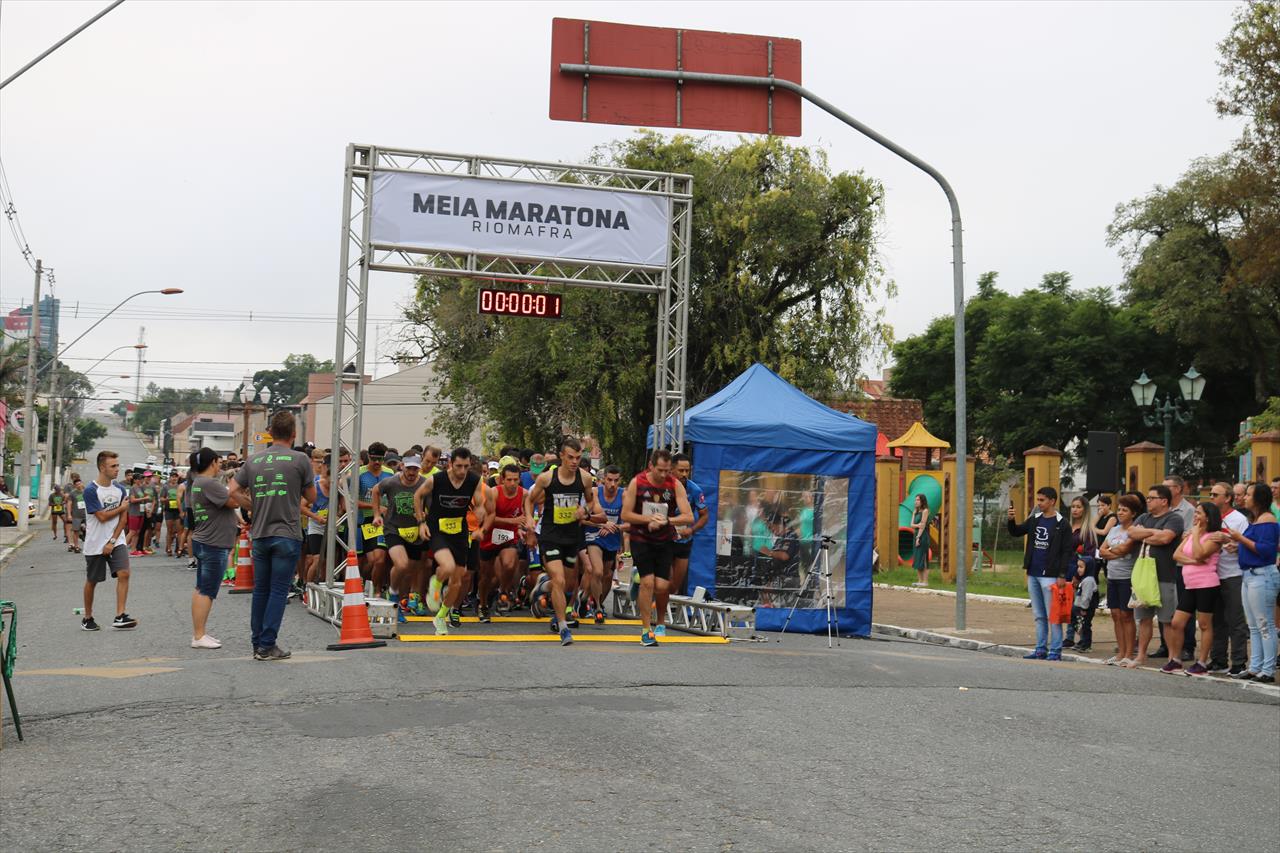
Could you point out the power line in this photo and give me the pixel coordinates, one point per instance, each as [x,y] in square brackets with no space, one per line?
[11,214]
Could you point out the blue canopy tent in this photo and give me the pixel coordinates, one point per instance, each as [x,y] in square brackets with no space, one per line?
[761,449]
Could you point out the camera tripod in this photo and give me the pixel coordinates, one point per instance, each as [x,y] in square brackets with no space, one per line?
[828,598]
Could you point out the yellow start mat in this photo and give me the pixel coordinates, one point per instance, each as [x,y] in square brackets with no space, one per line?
[527,620]
[691,639]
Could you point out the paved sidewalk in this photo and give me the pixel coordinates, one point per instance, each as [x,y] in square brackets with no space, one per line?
[1001,626]
[1006,623]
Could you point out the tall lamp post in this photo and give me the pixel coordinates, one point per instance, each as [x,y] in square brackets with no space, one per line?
[247,395]
[1190,385]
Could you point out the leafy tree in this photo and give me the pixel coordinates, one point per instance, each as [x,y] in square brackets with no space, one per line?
[160,403]
[783,271]
[1051,364]
[1265,421]
[88,431]
[1193,267]
[289,384]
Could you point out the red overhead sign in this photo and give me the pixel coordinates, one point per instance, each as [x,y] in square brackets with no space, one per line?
[664,103]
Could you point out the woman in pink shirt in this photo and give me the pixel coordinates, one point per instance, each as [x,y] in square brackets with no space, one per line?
[1198,555]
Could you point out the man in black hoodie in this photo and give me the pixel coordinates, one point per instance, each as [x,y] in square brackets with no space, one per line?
[1047,561]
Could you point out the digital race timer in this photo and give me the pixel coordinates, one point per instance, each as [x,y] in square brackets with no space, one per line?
[518,303]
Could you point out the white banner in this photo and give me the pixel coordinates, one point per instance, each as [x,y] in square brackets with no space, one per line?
[460,213]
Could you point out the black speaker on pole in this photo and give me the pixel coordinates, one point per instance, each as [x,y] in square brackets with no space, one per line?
[1103,471]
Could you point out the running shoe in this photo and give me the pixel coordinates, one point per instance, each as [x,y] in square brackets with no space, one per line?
[504,603]
[87,624]
[1244,675]
[483,614]
[555,625]
[402,607]
[441,621]
[566,639]
[647,639]
[124,620]
[570,618]
[206,642]
[1197,668]
[1111,661]
[599,616]
[660,631]
[136,554]
[416,606]
[272,654]
[433,594]
[1053,656]
[1264,679]
[1218,668]
[455,618]
[1036,655]
[1171,668]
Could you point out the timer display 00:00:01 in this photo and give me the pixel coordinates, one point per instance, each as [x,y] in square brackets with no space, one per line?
[516,303]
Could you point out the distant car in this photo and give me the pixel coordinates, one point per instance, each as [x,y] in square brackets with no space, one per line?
[9,510]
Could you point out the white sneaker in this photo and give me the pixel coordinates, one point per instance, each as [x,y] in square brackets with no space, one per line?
[206,642]
[1127,663]
[1111,661]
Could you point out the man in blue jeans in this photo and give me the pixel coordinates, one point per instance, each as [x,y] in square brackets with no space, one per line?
[272,484]
[1047,561]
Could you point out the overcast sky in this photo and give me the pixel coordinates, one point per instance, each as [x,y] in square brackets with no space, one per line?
[200,145]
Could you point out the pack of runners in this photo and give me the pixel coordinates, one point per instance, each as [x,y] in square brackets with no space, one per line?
[437,534]
[528,531]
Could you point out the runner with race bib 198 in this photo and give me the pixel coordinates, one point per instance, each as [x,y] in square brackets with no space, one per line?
[503,530]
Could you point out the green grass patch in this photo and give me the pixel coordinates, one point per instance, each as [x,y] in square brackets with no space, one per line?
[1006,579]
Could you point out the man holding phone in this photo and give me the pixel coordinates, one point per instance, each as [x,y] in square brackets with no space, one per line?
[1047,562]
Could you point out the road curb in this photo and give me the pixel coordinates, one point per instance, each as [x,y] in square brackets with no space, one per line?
[7,555]
[947,593]
[991,599]
[881,629]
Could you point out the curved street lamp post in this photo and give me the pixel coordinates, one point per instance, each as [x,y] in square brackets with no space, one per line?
[1190,385]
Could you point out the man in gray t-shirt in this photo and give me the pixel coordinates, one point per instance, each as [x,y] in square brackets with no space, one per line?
[272,484]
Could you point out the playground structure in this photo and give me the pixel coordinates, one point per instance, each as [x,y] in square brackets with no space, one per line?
[899,479]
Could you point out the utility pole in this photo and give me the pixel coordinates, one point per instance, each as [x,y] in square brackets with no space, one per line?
[29,411]
[55,443]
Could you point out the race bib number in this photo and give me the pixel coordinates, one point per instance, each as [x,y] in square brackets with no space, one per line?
[502,535]
[79,504]
[452,526]
[655,508]
[564,514]
[371,531]
[146,508]
[173,503]
[323,513]
[408,534]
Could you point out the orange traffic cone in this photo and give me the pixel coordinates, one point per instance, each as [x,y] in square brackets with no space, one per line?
[244,567]
[356,633]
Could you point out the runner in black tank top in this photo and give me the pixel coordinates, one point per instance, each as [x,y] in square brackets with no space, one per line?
[565,505]
[441,508]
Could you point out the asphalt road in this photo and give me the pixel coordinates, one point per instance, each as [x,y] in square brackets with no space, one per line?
[136,741]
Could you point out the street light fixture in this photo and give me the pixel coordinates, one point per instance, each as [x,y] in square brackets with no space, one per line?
[1190,385]
[247,395]
[113,352]
[166,291]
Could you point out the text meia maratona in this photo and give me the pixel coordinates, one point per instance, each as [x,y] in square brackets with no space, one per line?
[526,219]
